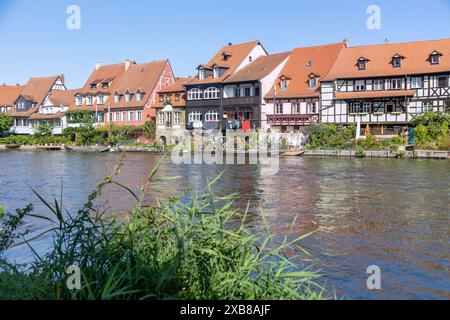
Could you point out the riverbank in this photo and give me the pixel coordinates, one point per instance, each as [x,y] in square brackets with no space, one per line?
[386,154]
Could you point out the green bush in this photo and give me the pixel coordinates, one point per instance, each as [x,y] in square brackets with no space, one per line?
[6,122]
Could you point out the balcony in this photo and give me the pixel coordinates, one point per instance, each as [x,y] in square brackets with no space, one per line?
[292,119]
[242,101]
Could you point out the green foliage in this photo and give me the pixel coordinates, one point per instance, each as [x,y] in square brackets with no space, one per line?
[6,122]
[174,250]
[44,130]
[150,129]
[330,136]
[432,131]
[80,117]
[400,153]
[359,153]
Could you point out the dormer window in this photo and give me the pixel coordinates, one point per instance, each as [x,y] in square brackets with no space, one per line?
[362,63]
[312,83]
[93,86]
[397,61]
[127,97]
[79,101]
[435,57]
[100,99]
[139,96]
[161,98]
[226,56]
[283,84]
[202,74]
[116,97]
[216,72]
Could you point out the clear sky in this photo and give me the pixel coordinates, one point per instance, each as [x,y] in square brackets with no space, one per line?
[34,39]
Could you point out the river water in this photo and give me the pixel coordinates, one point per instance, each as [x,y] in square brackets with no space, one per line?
[390,213]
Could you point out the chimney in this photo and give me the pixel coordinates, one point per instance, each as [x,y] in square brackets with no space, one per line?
[128,63]
[386,41]
[97,65]
[345,42]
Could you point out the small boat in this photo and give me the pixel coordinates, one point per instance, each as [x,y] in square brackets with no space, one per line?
[67,148]
[292,154]
[103,150]
[50,148]
[12,146]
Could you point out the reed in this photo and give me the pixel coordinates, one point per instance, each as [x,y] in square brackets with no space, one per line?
[200,249]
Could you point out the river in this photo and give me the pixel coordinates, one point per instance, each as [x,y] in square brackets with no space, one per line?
[390,213]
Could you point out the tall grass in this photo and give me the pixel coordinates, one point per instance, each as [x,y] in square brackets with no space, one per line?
[201,249]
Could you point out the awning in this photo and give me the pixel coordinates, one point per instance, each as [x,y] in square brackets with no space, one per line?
[374,94]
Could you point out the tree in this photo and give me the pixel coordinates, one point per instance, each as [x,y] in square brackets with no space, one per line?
[6,122]
[44,130]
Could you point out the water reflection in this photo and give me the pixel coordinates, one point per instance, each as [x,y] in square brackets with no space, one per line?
[391,213]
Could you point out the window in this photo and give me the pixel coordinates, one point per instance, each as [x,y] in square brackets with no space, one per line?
[100,99]
[90,101]
[312,82]
[435,57]
[442,82]
[212,116]
[396,84]
[279,108]
[247,92]
[296,108]
[161,118]
[195,116]
[105,85]
[139,115]
[362,64]
[131,116]
[117,116]
[257,91]
[397,62]
[110,117]
[176,118]
[169,119]
[202,74]
[250,59]
[237,92]
[416,82]
[378,84]
[195,94]
[177,97]
[216,72]
[116,97]
[78,101]
[367,106]
[124,116]
[356,107]
[360,85]
[161,98]
[139,96]
[283,84]
[93,86]
[127,97]
[311,107]
[211,93]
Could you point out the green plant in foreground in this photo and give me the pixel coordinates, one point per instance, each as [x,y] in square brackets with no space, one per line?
[359,153]
[201,249]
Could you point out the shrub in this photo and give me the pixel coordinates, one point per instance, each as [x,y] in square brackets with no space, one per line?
[421,134]
[6,122]
[359,153]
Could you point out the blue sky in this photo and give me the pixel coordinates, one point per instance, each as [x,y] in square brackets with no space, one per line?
[35,41]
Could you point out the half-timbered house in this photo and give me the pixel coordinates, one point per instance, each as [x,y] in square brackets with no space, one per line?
[293,102]
[387,85]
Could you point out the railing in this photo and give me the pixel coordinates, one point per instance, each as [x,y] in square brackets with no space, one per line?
[238,101]
[292,119]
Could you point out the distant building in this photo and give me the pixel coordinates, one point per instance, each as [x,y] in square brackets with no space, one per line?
[171,112]
[387,86]
[294,101]
[205,104]
[31,100]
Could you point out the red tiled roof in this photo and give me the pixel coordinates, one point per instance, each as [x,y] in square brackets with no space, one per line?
[63,97]
[236,54]
[9,94]
[416,60]
[39,116]
[259,69]
[302,63]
